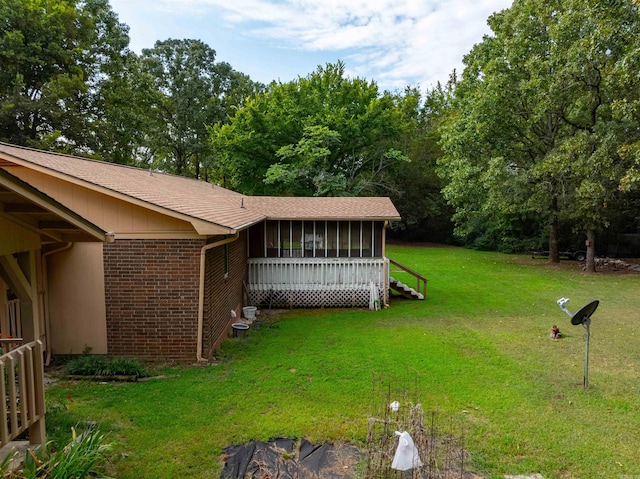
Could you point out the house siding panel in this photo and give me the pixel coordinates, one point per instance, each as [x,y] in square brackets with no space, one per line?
[151,292]
[223,294]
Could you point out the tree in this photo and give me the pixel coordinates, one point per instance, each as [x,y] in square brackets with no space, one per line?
[53,58]
[325,134]
[426,216]
[534,130]
[185,91]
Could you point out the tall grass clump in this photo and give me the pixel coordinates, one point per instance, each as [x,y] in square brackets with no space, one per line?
[79,459]
[94,365]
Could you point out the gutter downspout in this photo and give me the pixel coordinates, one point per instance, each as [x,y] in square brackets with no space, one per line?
[203,255]
[45,296]
[386,264]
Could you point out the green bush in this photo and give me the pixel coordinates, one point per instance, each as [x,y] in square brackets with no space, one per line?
[93,365]
[77,460]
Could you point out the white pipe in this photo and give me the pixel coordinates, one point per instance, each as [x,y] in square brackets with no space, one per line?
[45,284]
[203,257]
[385,268]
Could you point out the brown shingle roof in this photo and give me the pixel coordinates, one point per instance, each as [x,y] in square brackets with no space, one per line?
[344,208]
[193,198]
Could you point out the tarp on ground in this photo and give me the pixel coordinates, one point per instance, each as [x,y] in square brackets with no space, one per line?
[289,459]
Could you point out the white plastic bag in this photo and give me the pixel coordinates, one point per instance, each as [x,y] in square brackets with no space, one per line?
[394,406]
[406,456]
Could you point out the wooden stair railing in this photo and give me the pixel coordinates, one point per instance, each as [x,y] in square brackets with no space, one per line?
[22,405]
[421,281]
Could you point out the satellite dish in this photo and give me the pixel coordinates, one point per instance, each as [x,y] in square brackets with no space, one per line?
[583,316]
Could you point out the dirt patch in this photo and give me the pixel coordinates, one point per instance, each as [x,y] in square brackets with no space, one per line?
[605,266]
[617,265]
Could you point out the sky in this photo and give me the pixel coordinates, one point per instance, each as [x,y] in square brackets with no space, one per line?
[397,43]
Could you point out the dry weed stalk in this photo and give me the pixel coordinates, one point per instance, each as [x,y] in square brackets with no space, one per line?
[441,450]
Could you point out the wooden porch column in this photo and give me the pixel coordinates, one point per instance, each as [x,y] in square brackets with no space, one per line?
[25,286]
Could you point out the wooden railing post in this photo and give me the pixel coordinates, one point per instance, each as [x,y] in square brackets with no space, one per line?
[22,402]
[37,430]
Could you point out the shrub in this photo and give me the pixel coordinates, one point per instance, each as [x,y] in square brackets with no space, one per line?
[93,365]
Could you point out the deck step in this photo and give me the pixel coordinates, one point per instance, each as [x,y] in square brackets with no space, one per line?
[404,290]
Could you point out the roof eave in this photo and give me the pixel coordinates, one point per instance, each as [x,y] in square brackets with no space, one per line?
[201,226]
[47,203]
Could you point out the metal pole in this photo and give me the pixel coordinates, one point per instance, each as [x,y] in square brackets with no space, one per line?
[586,359]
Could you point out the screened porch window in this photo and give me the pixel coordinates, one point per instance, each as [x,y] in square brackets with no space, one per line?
[316,239]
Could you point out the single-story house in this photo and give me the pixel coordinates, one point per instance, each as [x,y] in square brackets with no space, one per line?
[132,262]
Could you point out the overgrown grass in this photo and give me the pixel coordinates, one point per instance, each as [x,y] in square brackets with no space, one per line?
[477,348]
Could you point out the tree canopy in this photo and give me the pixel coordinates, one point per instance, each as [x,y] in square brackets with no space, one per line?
[53,58]
[536,134]
[325,135]
[185,92]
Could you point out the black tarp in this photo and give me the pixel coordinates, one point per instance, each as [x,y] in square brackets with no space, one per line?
[289,459]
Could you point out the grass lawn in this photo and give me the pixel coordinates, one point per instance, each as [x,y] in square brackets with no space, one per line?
[477,349]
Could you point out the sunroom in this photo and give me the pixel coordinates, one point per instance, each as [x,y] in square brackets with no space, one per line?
[327,259]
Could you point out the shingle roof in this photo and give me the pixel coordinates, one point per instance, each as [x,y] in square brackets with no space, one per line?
[345,208]
[193,198]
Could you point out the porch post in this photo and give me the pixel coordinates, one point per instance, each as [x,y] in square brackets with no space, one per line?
[38,430]
[22,278]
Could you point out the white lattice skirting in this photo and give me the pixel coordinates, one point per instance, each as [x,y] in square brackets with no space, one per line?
[312,299]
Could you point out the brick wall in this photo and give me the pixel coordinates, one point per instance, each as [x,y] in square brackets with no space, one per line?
[222,294]
[151,292]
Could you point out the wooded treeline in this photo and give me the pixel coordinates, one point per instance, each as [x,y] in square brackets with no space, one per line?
[535,144]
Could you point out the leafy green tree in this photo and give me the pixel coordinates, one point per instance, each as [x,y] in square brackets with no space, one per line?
[184,92]
[53,58]
[535,137]
[426,216]
[325,134]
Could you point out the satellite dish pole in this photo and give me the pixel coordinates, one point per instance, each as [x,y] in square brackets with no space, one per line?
[583,317]
[586,324]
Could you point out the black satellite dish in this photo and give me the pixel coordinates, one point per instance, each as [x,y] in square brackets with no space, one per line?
[584,314]
[582,317]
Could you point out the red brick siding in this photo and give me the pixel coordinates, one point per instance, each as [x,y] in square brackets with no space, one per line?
[151,292]
[223,294]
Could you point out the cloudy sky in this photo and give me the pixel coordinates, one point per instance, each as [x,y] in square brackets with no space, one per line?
[394,42]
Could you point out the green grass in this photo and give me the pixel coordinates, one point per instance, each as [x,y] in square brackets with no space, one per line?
[477,348]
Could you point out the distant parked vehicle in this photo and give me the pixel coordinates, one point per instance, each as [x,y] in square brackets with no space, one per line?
[567,254]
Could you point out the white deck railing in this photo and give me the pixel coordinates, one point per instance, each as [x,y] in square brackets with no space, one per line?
[316,274]
[317,282]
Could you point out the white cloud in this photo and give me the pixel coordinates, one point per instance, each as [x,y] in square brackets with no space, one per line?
[395,42]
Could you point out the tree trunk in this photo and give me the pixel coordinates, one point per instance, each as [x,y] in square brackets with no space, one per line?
[591,251]
[554,251]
